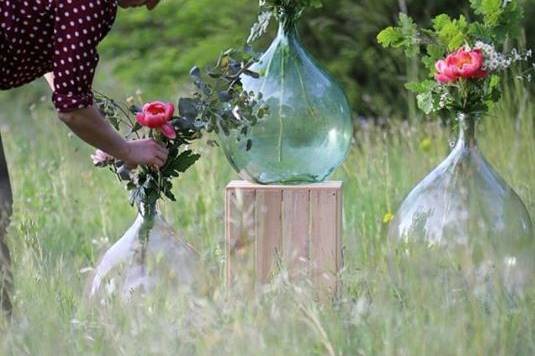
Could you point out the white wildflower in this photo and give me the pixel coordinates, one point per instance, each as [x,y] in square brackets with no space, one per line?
[515,55]
[494,60]
[443,100]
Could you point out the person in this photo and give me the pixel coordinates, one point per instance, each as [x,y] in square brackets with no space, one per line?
[57,39]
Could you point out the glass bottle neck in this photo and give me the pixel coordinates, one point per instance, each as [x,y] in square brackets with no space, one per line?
[148,211]
[467,129]
[287,28]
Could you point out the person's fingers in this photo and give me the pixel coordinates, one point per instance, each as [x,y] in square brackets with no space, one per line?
[131,166]
[161,149]
[158,162]
[162,156]
[158,148]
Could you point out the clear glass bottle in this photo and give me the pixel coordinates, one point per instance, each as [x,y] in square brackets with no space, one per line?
[149,255]
[464,224]
[308,131]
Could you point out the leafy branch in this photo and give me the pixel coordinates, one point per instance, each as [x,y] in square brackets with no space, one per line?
[496,21]
[287,11]
[219,103]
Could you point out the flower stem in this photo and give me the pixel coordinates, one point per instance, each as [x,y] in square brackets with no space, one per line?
[149,215]
[281,101]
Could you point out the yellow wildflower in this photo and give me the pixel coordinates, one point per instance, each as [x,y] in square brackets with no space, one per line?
[388,217]
[426,144]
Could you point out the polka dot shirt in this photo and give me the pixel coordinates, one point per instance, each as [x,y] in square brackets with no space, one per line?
[59,36]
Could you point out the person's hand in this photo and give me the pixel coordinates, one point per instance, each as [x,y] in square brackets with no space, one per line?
[145,152]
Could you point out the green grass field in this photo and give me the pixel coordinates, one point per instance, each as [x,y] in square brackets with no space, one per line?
[67,213]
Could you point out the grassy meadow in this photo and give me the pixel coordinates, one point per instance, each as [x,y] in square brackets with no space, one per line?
[67,213]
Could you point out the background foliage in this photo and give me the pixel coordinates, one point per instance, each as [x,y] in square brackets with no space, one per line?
[158,49]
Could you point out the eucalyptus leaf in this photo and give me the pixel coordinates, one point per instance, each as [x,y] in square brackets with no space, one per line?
[195,72]
[187,107]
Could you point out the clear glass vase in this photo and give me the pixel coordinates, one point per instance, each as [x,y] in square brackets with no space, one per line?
[464,224]
[308,131]
[149,255]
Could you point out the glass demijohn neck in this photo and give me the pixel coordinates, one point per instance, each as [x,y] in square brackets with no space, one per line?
[467,130]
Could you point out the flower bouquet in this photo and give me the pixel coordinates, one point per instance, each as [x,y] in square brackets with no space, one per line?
[151,253]
[463,210]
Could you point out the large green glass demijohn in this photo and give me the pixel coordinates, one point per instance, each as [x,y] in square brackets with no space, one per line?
[308,130]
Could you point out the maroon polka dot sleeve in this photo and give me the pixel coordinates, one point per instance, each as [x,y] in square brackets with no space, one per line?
[59,36]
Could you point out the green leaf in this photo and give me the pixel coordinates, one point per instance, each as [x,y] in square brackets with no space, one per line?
[184,161]
[500,18]
[410,33]
[434,53]
[170,195]
[187,107]
[494,81]
[451,33]
[489,9]
[390,37]
[421,87]
[494,88]
[426,102]
[195,72]
[136,128]
[405,36]
[441,21]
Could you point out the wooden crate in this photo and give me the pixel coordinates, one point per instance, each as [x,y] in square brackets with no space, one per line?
[295,227]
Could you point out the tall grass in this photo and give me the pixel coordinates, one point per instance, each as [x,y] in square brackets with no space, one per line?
[67,212]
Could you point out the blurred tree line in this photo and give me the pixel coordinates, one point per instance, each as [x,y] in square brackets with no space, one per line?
[155,50]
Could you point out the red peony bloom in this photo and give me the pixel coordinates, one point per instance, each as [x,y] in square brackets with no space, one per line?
[157,115]
[461,64]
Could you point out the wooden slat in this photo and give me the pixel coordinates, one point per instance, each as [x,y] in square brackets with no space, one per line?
[339,240]
[324,239]
[296,230]
[268,232]
[240,230]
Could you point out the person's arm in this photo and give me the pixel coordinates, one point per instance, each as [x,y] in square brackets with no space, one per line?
[77,31]
[90,126]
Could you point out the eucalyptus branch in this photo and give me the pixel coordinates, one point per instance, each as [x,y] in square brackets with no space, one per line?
[212,107]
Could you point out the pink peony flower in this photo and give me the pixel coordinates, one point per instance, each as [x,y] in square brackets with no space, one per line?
[101,158]
[461,64]
[157,115]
